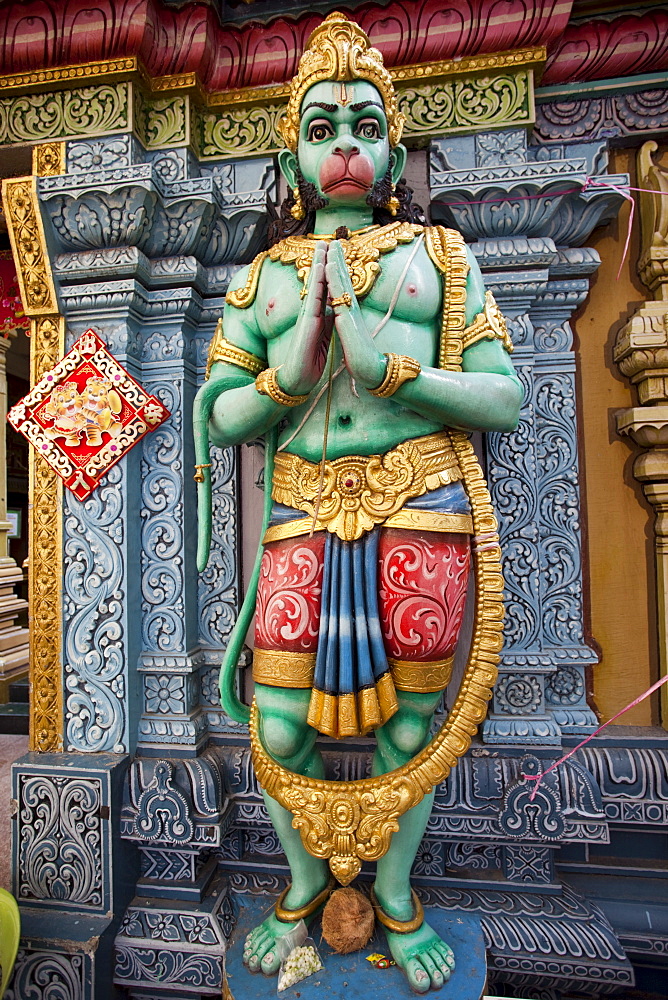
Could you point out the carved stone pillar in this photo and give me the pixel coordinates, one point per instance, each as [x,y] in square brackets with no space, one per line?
[142,245]
[641,353]
[526,214]
[13,639]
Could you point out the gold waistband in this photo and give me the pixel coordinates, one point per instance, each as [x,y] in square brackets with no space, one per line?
[360,491]
[409,518]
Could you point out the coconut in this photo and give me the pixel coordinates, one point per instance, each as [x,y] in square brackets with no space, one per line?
[347,921]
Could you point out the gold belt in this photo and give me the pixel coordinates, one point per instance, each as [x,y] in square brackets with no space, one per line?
[361,491]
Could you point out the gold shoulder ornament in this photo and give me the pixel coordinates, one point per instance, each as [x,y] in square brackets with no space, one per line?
[490,324]
[241,298]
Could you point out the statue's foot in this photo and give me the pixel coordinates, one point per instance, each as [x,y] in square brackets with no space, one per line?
[260,952]
[425,959]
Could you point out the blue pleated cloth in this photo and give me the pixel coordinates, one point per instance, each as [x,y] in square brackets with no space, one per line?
[353,691]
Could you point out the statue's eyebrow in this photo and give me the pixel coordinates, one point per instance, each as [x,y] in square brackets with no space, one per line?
[361,105]
[318,104]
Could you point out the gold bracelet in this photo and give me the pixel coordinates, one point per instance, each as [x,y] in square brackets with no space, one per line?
[400,369]
[343,300]
[302,912]
[399,926]
[267,385]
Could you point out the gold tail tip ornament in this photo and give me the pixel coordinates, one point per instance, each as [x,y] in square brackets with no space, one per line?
[339,50]
[199,475]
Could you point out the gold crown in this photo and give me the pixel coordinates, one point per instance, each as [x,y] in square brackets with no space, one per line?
[338,49]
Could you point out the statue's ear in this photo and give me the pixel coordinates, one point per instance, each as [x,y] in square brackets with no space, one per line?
[287,161]
[398,158]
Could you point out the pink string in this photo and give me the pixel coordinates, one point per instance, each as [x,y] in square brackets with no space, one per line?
[636,701]
[589,182]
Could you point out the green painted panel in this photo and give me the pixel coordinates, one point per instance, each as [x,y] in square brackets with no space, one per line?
[91,111]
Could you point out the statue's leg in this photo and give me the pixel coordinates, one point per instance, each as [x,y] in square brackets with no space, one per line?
[287,737]
[424,957]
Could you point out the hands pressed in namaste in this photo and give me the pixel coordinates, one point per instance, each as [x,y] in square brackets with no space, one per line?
[329,284]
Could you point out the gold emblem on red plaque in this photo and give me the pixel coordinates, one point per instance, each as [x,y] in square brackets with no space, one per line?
[85,414]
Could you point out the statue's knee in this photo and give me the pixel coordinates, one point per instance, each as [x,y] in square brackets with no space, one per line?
[282,738]
[407,733]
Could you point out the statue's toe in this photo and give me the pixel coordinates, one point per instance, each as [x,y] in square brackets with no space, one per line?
[447,958]
[417,976]
[431,961]
[270,963]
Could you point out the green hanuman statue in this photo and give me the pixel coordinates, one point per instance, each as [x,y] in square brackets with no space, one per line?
[363,347]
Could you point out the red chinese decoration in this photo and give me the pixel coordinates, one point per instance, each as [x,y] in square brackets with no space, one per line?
[12,316]
[85,414]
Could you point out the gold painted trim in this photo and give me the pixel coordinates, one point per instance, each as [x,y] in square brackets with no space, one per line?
[45,563]
[490,324]
[349,822]
[28,241]
[421,677]
[287,916]
[278,668]
[447,250]
[412,520]
[427,520]
[43,79]
[399,926]
[48,159]
[360,491]
[353,713]
[403,76]
[291,529]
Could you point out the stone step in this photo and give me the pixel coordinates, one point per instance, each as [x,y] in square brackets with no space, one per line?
[14,718]
[19,691]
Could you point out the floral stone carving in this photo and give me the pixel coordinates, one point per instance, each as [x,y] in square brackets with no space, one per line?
[85,414]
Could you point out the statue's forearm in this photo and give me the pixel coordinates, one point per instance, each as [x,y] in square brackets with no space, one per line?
[485,401]
[242,414]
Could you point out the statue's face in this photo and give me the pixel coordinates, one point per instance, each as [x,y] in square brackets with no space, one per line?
[343,145]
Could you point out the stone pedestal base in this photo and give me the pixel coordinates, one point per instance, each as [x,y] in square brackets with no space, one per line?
[346,976]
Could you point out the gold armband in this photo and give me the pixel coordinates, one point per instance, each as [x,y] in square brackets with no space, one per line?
[222,349]
[490,324]
[400,369]
[267,385]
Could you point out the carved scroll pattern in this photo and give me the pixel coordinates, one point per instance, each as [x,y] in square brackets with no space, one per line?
[60,840]
[94,597]
[94,110]
[559,510]
[219,584]
[163,610]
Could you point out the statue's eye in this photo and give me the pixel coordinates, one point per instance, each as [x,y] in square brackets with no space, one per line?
[319,130]
[368,128]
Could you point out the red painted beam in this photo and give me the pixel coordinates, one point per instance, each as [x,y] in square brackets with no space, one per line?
[36,34]
[624,46]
